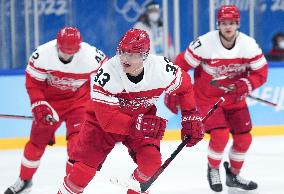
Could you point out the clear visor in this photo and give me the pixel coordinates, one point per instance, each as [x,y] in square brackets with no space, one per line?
[131,56]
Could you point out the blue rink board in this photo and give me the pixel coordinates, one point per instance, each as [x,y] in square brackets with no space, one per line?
[14,100]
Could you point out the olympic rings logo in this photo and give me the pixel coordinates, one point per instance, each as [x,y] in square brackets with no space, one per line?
[130,10]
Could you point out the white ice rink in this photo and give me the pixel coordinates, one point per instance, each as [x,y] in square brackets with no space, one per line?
[185,175]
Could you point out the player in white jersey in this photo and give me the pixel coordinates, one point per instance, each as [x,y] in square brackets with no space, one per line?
[57,81]
[122,109]
[226,63]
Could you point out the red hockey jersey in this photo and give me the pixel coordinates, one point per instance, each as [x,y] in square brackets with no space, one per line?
[115,99]
[212,61]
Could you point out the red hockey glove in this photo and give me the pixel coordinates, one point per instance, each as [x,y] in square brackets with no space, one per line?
[44,113]
[172,102]
[240,89]
[192,127]
[148,126]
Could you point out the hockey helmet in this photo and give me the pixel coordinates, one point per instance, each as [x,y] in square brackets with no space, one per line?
[135,41]
[69,40]
[228,12]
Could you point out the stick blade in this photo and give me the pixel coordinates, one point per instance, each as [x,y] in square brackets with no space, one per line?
[129,183]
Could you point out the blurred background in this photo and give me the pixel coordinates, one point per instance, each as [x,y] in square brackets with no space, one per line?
[26,24]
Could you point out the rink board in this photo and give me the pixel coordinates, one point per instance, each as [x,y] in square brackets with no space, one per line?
[267,120]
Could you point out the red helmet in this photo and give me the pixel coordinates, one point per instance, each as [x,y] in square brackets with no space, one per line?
[228,12]
[135,41]
[68,40]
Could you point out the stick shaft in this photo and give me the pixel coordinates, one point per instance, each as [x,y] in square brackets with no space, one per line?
[16,117]
[262,100]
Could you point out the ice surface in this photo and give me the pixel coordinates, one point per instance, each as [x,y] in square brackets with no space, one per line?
[186,174]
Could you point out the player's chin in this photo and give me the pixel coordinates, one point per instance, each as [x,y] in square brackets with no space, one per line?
[229,36]
[127,68]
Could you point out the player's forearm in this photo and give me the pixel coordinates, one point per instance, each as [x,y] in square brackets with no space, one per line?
[185,93]
[181,62]
[35,89]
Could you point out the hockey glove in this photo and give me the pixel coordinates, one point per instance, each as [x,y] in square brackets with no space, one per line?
[44,113]
[148,126]
[239,90]
[192,127]
[172,102]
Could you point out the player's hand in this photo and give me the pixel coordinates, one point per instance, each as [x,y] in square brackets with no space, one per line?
[148,126]
[172,102]
[44,113]
[192,127]
[239,90]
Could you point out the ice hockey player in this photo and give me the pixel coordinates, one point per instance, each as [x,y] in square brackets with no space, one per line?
[122,109]
[58,84]
[226,63]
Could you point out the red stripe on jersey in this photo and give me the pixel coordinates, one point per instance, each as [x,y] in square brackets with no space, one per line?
[101,91]
[218,61]
[256,58]
[105,102]
[196,57]
[102,62]
[37,68]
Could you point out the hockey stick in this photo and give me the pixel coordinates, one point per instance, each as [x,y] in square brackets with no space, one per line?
[48,117]
[16,117]
[216,84]
[145,186]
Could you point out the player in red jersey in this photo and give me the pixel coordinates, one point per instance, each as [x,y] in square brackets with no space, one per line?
[226,63]
[122,109]
[57,81]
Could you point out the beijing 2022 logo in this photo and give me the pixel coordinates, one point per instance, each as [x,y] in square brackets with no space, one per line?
[130,9]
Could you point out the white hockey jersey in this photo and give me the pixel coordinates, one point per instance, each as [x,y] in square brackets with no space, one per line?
[48,78]
[212,61]
[116,98]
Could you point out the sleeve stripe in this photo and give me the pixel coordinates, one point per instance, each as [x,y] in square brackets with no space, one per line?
[105,102]
[176,83]
[102,97]
[258,63]
[103,92]
[191,58]
[35,73]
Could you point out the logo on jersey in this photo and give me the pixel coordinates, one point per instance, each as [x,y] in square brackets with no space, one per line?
[137,103]
[65,83]
[228,71]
